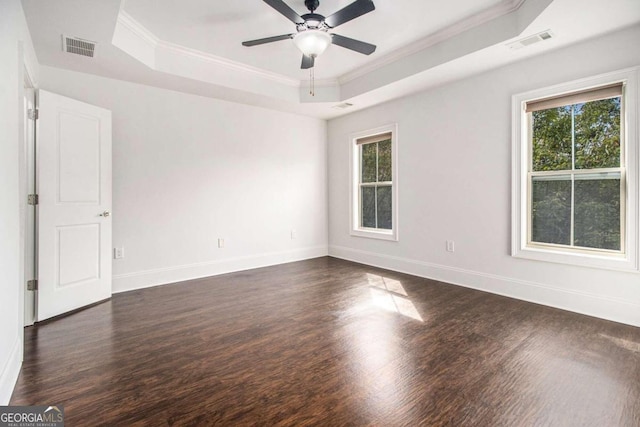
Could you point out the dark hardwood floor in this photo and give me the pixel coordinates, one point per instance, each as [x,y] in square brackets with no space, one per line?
[332,343]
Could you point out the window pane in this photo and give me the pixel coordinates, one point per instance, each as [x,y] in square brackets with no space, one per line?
[368,207]
[552,139]
[384,207]
[384,161]
[551,210]
[597,211]
[597,134]
[369,163]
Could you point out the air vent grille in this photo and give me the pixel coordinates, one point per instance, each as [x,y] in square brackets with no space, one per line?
[528,41]
[343,106]
[78,46]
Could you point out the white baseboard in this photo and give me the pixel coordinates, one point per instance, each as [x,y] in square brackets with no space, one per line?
[614,309]
[162,276]
[10,373]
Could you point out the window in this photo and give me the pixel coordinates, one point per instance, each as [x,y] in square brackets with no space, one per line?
[576,176]
[575,173]
[374,186]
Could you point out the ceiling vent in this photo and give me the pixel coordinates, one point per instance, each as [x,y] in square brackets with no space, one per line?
[343,106]
[528,41]
[78,46]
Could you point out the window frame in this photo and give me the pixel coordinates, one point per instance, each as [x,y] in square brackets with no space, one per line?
[521,246]
[355,212]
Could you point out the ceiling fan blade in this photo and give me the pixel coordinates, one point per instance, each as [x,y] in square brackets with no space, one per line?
[289,13]
[307,62]
[267,40]
[346,14]
[357,45]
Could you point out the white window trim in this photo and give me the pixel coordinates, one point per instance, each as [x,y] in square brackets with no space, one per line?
[519,200]
[354,169]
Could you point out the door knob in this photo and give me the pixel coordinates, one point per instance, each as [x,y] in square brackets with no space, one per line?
[105,214]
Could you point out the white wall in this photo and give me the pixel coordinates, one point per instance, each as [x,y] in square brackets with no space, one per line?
[16,52]
[188,170]
[455,184]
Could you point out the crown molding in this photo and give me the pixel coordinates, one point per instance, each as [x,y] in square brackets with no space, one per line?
[227,63]
[138,29]
[170,54]
[331,82]
[152,41]
[503,8]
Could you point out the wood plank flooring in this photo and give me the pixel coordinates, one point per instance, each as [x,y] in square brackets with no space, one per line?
[332,343]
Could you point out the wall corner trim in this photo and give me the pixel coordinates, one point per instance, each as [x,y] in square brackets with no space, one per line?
[614,309]
[163,276]
[10,372]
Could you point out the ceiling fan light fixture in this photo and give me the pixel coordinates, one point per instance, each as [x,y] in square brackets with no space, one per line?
[312,37]
[312,42]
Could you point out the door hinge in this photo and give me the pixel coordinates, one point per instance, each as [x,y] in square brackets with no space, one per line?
[34,114]
[32,199]
[32,285]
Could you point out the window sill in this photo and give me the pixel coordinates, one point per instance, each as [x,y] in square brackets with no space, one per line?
[613,261]
[375,234]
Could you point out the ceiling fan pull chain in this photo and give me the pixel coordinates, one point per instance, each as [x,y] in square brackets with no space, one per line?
[312,88]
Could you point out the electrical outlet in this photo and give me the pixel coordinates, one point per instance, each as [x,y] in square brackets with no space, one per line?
[450,246]
[220,243]
[294,234]
[118,253]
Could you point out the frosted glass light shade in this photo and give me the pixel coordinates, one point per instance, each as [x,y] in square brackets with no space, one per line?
[312,42]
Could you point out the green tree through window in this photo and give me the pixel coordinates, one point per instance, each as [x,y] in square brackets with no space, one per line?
[376,184]
[575,175]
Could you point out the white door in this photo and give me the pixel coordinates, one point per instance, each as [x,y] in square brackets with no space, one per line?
[74,191]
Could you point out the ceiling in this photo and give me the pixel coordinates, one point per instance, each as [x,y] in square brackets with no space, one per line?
[194,46]
[219,27]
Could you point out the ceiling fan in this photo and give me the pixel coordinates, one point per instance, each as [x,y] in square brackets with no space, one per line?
[313,36]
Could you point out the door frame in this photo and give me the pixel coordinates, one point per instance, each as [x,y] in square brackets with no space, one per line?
[27,171]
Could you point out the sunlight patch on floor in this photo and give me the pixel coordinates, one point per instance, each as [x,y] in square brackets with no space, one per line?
[390,295]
